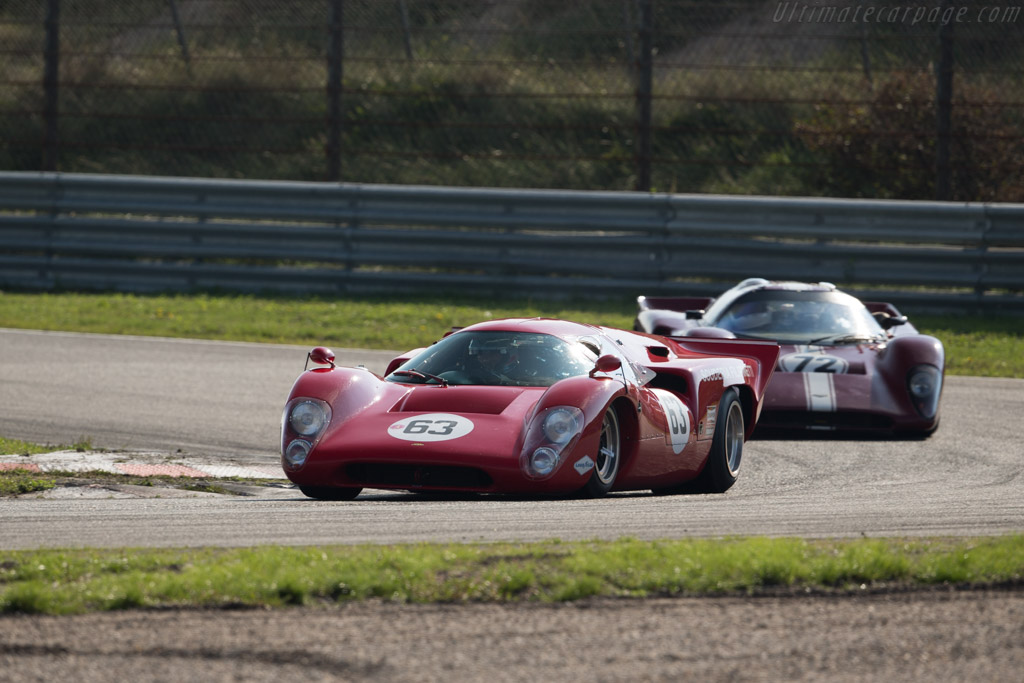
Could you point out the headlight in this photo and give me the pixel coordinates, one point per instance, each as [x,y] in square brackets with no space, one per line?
[543,461]
[296,452]
[561,424]
[308,417]
[924,382]
[547,438]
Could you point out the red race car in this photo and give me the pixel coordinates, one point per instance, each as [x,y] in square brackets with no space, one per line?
[529,406]
[845,365]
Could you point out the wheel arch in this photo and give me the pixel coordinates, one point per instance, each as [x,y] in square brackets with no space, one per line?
[747,403]
[629,429]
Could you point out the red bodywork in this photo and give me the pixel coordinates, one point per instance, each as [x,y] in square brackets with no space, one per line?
[848,387]
[474,436]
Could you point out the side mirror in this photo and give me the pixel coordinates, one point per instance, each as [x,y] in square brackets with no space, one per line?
[321,355]
[606,363]
[695,314]
[889,321]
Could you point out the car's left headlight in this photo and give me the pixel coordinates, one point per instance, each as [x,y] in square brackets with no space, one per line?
[302,425]
[924,382]
[561,424]
[550,434]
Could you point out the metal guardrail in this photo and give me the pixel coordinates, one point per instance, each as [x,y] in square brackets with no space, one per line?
[136,233]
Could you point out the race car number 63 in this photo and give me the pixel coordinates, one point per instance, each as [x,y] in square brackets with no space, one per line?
[431,427]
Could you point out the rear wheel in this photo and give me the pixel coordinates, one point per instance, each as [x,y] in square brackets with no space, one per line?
[723,465]
[609,455]
[330,492]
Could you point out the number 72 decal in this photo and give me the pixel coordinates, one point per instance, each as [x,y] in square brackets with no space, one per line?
[813,362]
[431,427]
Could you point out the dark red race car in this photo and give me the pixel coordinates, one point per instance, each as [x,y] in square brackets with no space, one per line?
[845,365]
[529,406]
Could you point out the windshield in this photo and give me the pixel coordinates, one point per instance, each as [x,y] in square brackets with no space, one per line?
[497,359]
[796,317]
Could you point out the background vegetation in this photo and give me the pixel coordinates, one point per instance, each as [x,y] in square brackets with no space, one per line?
[516,93]
[975,345]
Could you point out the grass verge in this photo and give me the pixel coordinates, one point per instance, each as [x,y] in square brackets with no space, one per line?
[981,346]
[18,447]
[18,481]
[79,581]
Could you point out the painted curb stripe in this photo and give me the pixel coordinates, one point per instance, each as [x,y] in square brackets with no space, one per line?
[191,470]
[7,466]
[156,470]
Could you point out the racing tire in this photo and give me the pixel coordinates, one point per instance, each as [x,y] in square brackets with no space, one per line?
[723,465]
[330,492]
[609,457]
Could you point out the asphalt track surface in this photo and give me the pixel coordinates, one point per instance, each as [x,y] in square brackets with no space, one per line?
[222,402]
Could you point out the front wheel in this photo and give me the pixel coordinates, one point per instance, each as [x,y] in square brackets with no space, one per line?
[609,455]
[330,492]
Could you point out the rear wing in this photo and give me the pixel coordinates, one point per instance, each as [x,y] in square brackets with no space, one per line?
[766,353]
[673,303]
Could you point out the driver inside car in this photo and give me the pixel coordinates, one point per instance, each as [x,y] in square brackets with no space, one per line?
[495,360]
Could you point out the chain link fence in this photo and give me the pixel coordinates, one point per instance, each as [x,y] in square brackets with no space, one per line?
[845,98]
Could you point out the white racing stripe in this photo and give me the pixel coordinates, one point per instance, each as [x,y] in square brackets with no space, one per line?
[819,387]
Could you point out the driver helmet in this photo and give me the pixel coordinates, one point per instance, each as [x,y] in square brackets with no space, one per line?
[750,315]
[495,355]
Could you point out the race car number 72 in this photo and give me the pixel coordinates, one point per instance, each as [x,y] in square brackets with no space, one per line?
[811,362]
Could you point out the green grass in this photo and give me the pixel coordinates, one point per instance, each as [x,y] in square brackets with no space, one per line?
[78,581]
[18,447]
[985,346]
[18,481]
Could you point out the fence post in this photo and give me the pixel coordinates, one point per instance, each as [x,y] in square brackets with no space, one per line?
[643,98]
[335,56]
[51,86]
[179,29]
[943,110]
[403,11]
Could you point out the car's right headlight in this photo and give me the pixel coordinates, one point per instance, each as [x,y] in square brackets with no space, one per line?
[302,425]
[308,417]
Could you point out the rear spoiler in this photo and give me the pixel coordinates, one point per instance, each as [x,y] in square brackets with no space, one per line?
[673,303]
[766,353]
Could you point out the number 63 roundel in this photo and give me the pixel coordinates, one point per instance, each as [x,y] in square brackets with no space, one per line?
[431,427]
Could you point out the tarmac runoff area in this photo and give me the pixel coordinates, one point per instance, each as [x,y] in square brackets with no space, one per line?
[137,464]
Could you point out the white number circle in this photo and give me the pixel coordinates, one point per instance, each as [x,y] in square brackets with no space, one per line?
[813,362]
[431,427]
[678,417]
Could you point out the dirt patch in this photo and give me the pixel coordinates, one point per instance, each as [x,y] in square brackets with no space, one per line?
[918,636]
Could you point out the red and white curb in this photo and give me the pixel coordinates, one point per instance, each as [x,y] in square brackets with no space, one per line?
[141,465]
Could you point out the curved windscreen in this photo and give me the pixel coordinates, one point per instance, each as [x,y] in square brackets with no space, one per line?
[798,317]
[497,359]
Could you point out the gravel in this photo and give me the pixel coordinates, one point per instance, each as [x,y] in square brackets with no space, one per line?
[931,635]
